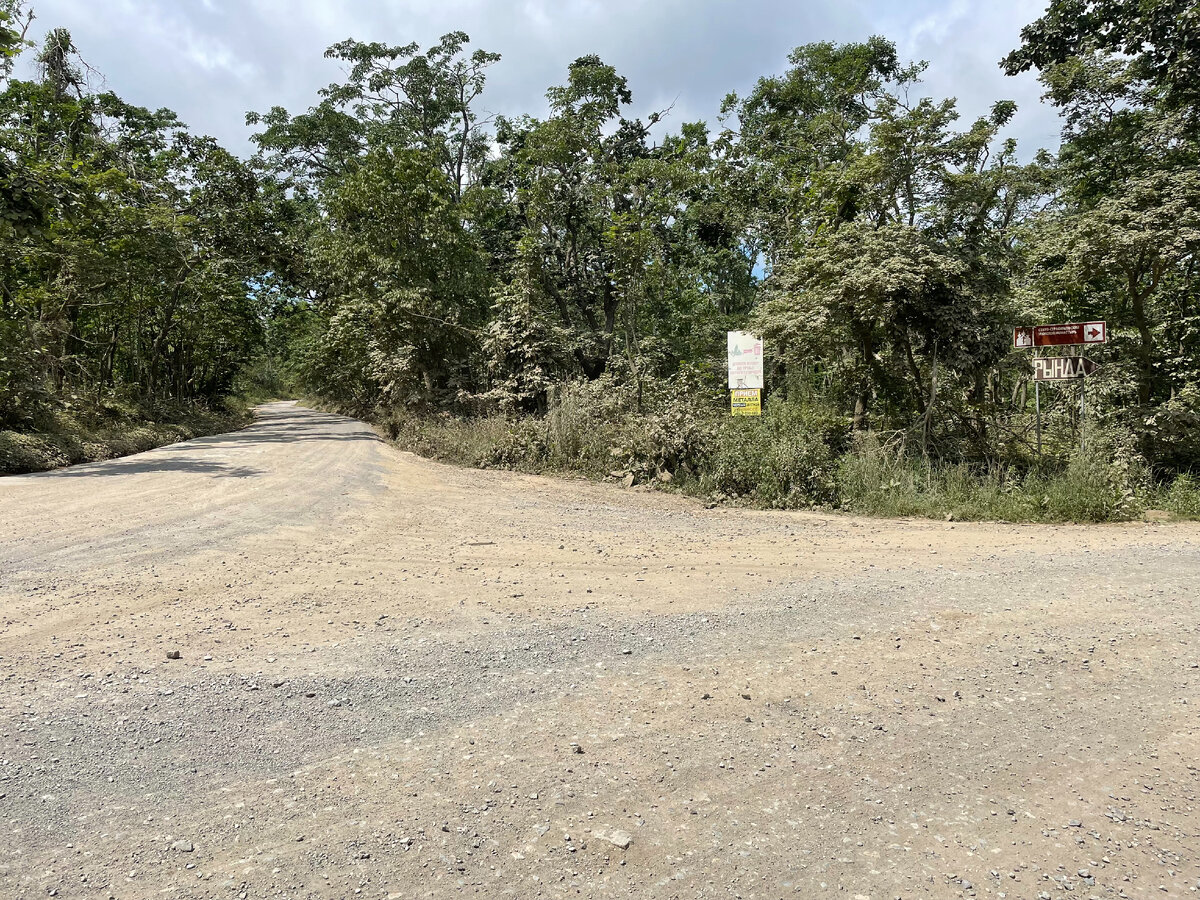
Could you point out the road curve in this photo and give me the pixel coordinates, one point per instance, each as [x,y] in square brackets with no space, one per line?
[398,678]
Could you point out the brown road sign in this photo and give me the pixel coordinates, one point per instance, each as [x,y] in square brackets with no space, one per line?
[1062,368]
[1025,336]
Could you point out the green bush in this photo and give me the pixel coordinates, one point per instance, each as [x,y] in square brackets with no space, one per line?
[482,442]
[1090,489]
[1105,483]
[786,458]
[674,431]
[877,480]
[109,430]
[796,455]
[1171,432]
[1183,496]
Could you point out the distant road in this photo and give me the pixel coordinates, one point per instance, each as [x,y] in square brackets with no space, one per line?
[398,678]
[294,466]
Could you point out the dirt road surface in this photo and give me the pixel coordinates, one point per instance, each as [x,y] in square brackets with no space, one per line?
[399,679]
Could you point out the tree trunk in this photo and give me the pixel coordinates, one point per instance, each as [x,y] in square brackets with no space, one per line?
[1145,352]
[918,382]
[928,418]
[861,403]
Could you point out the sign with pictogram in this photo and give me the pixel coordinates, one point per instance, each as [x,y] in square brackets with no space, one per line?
[1025,336]
[1062,368]
[745,361]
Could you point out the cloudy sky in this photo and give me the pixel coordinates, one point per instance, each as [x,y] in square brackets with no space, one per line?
[212,60]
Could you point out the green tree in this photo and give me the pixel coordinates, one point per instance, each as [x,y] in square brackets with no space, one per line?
[890,260]
[569,179]
[1121,241]
[1158,40]
[782,140]
[624,253]
[375,188]
[127,248]
[14,25]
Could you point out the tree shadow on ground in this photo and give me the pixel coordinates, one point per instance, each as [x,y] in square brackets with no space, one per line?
[283,427]
[132,466]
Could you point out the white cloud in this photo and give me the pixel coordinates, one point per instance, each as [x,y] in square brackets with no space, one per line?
[212,60]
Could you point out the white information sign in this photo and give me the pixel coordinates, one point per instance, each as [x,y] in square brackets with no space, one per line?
[745,361]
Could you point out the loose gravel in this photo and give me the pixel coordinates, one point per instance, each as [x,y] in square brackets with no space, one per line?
[291,662]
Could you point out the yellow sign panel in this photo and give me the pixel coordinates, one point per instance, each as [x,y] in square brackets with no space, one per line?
[745,402]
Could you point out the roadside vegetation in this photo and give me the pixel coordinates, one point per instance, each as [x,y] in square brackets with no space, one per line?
[68,436]
[128,247]
[552,293]
[794,457]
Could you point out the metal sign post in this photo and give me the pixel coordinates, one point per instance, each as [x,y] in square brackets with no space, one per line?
[1037,406]
[1060,368]
[1082,409]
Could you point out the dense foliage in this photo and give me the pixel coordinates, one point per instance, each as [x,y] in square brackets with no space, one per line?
[395,252]
[127,245]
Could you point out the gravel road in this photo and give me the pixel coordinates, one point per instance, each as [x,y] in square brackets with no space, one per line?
[399,679]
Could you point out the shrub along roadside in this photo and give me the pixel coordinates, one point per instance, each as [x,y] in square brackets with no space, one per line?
[795,456]
[1087,489]
[67,437]
[1181,497]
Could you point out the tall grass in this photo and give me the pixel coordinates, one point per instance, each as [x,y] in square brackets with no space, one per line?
[875,481]
[577,436]
[795,456]
[786,458]
[1182,497]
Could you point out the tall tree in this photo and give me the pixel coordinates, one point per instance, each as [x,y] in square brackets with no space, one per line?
[127,249]
[1122,242]
[376,183]
[624,253]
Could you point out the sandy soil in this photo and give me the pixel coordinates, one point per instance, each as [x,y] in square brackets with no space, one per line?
[400,679]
